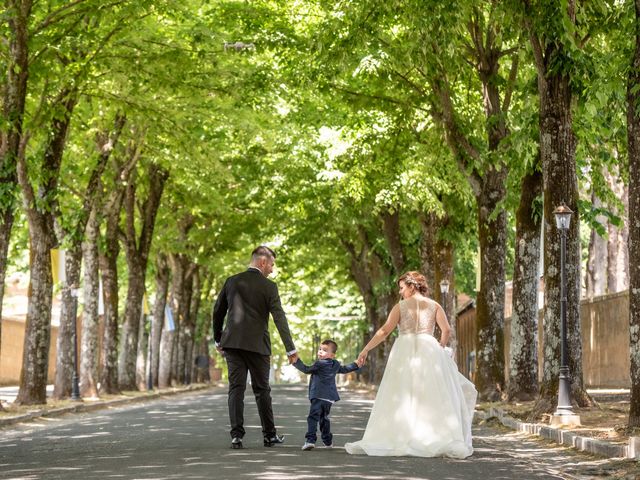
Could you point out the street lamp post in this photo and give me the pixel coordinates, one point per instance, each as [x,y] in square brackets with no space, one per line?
[75,387]
[564,413]
[444,289]
[150,355]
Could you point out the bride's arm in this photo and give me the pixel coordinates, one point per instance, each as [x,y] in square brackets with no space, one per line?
[443,323]
[382,333]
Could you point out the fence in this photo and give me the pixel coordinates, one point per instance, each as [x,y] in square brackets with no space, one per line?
[605,341]
[11,348]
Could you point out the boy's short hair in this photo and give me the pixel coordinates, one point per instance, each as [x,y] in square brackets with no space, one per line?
[333,345]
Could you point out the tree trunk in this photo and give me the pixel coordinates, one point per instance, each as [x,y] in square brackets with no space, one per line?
[617,273]
[35,360]
[109,266]
[6,225]
[185,327]
[109,271]
[67,334]
[162,288]
[391,229]
[492,230]
[137,249]
[623,263]
[595,277]
[130,326]
[633,139]
[181,284]
[51,169]
[193,319]
[558,149]
[90,326]
[40,215]
[170,373]
[427,247]
[73,237]
[166,356]
[13,105]
[142,351]
[444,271]
[186,330]
[488,183]
[523,351]
[369,272]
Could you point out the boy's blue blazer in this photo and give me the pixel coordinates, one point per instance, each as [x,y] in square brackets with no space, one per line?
[323,377]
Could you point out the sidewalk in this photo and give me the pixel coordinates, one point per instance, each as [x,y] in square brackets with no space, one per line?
[13,414]
[602,431]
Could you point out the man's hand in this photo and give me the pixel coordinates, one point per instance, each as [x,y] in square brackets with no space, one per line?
[293,358]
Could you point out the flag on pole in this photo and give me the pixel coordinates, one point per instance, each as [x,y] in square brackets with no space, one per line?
[478,270]
[57,265]
[100,298]
[145,305]
[170,326]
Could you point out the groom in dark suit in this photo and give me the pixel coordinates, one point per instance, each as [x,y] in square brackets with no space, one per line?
[247,299]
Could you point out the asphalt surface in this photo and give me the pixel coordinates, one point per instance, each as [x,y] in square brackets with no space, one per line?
[186,437]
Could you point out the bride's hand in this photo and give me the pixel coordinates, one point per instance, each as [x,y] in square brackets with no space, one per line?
[362,358]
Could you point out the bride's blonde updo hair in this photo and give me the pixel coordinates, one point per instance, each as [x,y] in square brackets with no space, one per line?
[415,280]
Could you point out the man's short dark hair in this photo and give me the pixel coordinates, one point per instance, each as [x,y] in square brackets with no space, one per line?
[263,251]
[332,345]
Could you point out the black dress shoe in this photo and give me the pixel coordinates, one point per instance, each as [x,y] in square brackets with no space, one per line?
[236,442]
[275,440]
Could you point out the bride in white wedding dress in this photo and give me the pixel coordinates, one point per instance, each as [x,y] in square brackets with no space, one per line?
[424,406]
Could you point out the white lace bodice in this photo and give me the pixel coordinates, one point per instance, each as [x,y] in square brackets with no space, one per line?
[417,316]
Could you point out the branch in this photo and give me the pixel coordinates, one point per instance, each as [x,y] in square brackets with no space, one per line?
[413,85]
[536,45]
[56,15]
[508,51]
[375,97]
[584,40]
[130,215]
[457,141]
[52,16]
[28,194]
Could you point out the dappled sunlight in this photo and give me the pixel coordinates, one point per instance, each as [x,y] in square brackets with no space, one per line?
[189,439]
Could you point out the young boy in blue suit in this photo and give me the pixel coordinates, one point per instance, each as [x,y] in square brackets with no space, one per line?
[323,392]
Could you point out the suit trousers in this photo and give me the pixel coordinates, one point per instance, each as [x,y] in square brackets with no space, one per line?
[239,363]
[319,413]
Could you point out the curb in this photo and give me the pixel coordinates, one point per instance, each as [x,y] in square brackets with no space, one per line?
[564,437]
[99,405]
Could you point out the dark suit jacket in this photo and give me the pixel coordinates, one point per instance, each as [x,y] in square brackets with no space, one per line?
[246,299]
[323,377]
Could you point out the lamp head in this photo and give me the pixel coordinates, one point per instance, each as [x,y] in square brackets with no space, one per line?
[444,286]
[563,217]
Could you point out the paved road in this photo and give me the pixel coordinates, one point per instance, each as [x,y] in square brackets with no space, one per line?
[186,437]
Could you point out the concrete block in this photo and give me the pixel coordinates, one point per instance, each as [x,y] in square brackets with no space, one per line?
[568,420]
[634,447]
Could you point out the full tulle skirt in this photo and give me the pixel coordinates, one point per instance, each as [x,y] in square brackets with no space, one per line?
[424,406]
